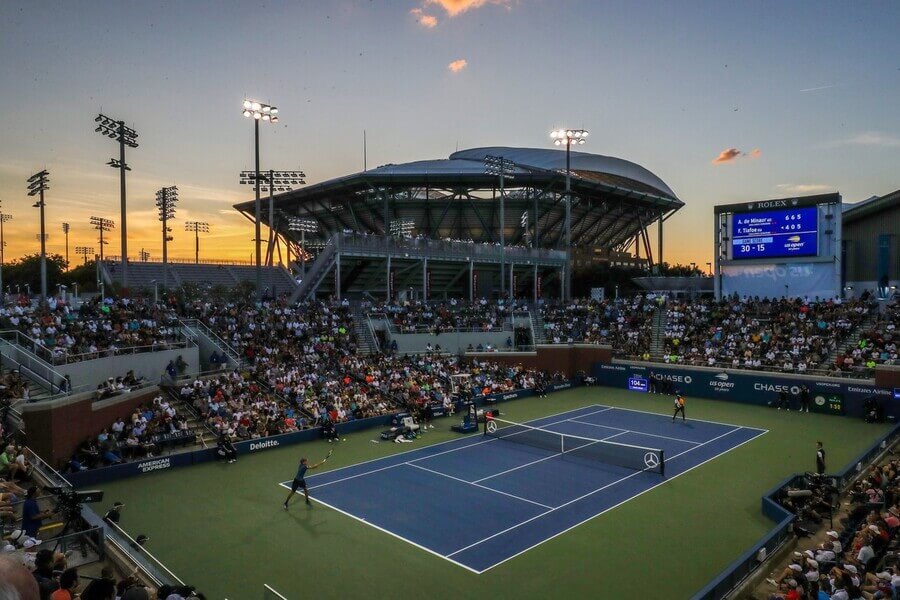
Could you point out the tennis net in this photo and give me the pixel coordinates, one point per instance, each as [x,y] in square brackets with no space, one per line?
[629,456]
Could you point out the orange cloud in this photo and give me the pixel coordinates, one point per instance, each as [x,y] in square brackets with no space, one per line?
[733,154]
[427,21]
[456,7]
[458,65]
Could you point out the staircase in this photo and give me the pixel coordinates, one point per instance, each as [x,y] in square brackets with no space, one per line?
[540,334]
[194,328]
[852,340]
[364,334]
[206,437]
[658,338]
[315,273]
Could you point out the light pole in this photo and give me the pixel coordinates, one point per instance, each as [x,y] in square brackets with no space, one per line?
[145,256]
[709,268]
[37,185]
[304,226]
[568,137]
[273,181]
[116,130]
[84,251]
[166,199]
[268,113]
[502,169]
[197,227]
[65,228]
[102,224]
[4,217]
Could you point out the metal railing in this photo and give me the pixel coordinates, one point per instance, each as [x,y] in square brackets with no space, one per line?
[150,567]
[223,345]
[441,249]
[115,260]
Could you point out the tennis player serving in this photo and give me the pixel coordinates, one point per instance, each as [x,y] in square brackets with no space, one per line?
[300,478]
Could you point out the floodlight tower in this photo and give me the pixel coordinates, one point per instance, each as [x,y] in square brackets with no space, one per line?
[116,130]
[196,227]
[84,251]
[273,181]
[502,169]
[102,224]
[37,185]
[304,226]
[166,199]
[65,228]
[269,114]
[568,137]
[4,217]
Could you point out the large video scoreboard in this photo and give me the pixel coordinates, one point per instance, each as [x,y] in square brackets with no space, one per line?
[779,247]
[775,233]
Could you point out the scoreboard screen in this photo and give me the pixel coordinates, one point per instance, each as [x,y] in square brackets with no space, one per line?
[775,233]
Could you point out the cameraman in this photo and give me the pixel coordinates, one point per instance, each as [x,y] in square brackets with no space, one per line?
[32,515]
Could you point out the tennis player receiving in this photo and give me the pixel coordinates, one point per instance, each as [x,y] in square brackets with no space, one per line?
[679,406]
[300,478]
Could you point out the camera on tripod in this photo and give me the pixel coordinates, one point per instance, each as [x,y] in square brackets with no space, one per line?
[69,501]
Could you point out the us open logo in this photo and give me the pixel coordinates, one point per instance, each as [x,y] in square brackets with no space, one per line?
[651,460]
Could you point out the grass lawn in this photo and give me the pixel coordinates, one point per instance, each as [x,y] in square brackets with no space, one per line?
[221,527]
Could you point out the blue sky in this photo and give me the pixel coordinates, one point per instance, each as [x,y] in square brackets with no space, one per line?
[810,86]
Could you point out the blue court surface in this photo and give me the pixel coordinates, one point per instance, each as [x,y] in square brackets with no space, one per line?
[479,501]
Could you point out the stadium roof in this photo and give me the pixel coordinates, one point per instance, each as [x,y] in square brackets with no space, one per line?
[875,204]
[613,199]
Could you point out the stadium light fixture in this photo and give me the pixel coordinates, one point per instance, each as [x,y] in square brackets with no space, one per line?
[567,138]
[258,111]
[4,217]
[304,226]
[116,129]
[84,251]
[37,185]
[102,224]
[196,227]
[166,199]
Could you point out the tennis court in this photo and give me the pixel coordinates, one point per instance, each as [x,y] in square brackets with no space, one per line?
[480,500]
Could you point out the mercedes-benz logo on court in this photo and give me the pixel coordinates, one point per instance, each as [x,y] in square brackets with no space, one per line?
[651,459]
[492,426]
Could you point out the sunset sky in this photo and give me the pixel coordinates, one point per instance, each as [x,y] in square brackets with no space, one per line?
[726,102]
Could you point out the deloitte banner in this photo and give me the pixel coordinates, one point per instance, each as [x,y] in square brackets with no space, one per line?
[835,397]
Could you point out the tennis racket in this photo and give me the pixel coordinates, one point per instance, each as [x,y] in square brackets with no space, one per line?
[330,452]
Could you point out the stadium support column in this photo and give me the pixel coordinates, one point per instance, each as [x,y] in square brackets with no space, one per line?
[471,281]
[270,253]
[337,275]
[535,285]
[512,291]
[387,280]
[659,253]
[425,279]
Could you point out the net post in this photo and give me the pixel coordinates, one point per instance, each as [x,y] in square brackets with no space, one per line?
[662,463]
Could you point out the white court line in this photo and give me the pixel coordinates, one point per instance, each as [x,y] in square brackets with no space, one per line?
[312,477]
[762,432]
[484,487]
[534,462]
[395,535]
[582,497]
[665,437]
[647,412]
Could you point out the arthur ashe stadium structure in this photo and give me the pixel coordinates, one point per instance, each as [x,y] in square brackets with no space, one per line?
[410,228]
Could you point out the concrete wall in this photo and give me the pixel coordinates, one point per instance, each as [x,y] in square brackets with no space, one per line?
[453,342]
[55,428]
[887,376]
[88,374]
[570,359]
